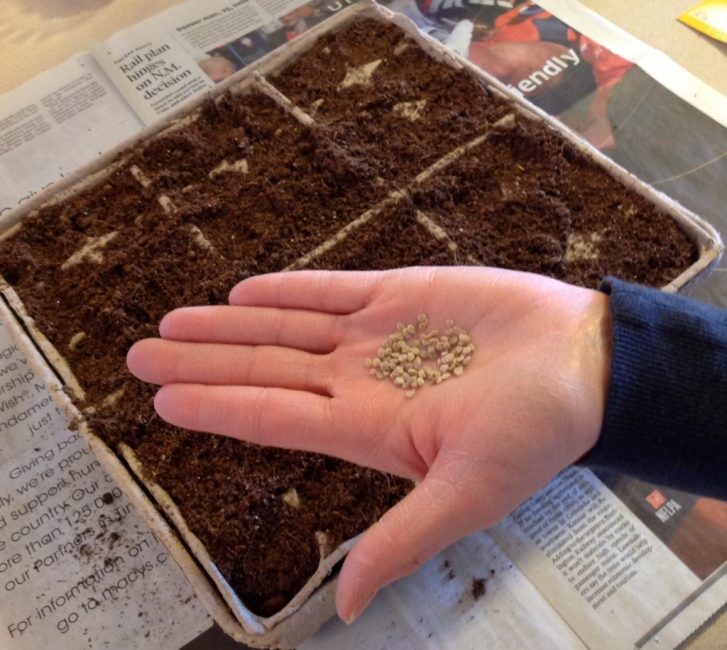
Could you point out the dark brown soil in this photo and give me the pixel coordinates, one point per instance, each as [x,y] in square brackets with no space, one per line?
[393,239]
[526,199]
[479,588]
[370,119]
[521,200]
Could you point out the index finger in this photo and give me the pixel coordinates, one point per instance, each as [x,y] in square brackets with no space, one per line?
[334,292]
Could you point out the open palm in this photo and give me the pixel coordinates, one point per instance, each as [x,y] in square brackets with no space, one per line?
[284,365]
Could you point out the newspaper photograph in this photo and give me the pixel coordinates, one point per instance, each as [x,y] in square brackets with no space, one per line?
[586,551]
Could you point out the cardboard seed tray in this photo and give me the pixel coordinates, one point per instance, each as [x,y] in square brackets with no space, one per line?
[314,604]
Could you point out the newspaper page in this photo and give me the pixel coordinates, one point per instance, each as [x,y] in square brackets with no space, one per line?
[469,596]
[613,579]
[171,57]
[78,566]
[651,560]
[59,121]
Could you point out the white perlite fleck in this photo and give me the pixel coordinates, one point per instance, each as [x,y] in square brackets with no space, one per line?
[315,105]
[200,239]
[291,498]
[112,398]
[140,176]
[410,110]
[582,247]
[412,357]
[401,47]
[76,339]
[236,167]
[167,204]
[361,75]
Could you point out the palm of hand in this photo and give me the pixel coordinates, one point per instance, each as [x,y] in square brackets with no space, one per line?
[285,366]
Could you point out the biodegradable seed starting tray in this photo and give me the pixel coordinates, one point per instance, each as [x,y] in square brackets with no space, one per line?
[361,145]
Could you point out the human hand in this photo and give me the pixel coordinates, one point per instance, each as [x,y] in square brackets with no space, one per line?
[284,365]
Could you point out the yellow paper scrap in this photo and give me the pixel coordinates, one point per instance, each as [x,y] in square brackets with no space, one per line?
[709,17]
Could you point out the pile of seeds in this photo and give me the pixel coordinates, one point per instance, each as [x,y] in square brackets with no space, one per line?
[435,356]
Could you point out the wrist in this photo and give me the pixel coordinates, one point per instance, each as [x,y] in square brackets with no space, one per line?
[593,343]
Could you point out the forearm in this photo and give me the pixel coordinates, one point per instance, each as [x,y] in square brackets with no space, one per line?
[666,407]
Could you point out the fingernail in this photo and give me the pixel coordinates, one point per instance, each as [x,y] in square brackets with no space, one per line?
[358,610]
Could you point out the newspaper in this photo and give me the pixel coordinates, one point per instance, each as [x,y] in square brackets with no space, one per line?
[590,561]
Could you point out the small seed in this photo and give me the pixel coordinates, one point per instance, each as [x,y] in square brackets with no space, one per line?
[410,393]
[402,358]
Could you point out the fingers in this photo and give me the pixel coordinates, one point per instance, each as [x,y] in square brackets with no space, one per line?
[270,416]
[435,514]
[342,292]
[304,330]
[172,362]
[275,417]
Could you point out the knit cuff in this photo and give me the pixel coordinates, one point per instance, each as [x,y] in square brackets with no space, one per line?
[666,409]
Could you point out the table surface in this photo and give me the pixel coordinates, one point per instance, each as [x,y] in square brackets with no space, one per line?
[38,34]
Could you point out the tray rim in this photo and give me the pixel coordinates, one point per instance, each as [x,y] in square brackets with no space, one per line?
[283,628]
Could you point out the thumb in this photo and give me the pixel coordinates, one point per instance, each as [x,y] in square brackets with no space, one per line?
[432,516]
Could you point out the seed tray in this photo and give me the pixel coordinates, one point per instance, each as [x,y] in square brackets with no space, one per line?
[389,195]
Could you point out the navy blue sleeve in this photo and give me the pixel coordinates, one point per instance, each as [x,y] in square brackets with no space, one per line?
[666,408]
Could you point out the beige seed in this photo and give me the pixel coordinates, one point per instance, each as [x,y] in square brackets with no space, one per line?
[458,371]
[410,393]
